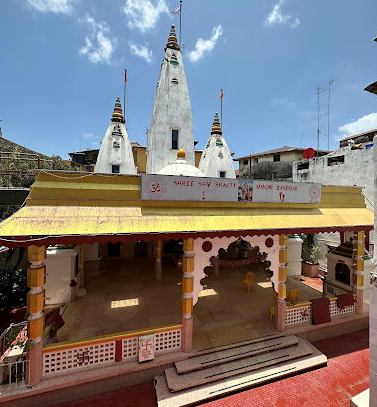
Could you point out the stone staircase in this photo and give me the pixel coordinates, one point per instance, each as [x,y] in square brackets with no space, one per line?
[220,370]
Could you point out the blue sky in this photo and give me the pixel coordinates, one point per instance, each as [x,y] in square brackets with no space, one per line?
[62,61]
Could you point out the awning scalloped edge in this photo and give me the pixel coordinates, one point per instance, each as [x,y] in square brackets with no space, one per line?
[114,238]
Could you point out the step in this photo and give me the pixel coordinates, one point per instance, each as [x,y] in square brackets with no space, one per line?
[238,343]
[178,382]
[239,382]
[234,353]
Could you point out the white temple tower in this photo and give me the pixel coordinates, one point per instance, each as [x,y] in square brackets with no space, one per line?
[171,124]
[216,160]
[115,155]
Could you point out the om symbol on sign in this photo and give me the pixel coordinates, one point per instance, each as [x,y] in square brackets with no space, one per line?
[156,188]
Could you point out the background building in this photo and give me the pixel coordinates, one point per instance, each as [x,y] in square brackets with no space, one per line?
[272,164]
[350,165]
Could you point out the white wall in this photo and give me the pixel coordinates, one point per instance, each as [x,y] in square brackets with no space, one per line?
[294,260]
[60,270]
[357,170]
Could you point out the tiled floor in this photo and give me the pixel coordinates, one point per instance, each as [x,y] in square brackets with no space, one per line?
[101,310]
[345,376]
[126,297]
[313,282]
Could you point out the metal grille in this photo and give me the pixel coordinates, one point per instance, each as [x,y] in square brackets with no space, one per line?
[13,372]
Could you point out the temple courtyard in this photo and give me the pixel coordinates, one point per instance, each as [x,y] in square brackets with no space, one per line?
[125,296]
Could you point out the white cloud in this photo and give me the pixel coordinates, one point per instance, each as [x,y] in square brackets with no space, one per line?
[295,22]
[203,45]
[98,46]
[52,6]
[284,102]
[141,51]
[276,16]
[144,14]
[365,123]
[89,135]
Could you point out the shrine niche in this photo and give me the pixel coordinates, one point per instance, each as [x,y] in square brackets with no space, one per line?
[241,253]
[343,273]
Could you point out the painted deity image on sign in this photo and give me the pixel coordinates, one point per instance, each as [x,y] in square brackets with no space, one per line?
[245,190]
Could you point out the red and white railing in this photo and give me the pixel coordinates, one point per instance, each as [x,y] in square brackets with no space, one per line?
[302,313]
[299,313]
[67,356]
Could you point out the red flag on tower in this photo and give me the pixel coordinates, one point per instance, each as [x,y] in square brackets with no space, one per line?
[177,10]
[125,75]
[221,94]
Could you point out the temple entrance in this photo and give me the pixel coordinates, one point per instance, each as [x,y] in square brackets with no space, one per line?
[226,312]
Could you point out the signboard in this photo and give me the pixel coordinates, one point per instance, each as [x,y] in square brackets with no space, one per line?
[178,188]
[284,192]
[146,348]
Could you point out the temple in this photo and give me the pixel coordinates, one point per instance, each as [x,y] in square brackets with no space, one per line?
[216,159]
[171,123]
[184,275]
[115,155]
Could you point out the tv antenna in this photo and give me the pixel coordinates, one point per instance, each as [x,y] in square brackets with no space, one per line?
[319,91]
[331,81]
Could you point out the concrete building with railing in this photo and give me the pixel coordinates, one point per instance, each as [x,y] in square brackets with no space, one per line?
[273,164]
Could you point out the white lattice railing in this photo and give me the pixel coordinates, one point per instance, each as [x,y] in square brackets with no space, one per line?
[301,313]
[65,357]
[334,310]
[298,314]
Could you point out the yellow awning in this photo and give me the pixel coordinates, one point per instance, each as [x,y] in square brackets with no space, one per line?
[69,208]
[94,221]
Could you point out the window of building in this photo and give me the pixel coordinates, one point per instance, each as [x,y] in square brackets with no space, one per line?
[174,139]
[256,160]
[303,166]
[335,160]
[245,162]
[115,169]
[276,158]
[222,174]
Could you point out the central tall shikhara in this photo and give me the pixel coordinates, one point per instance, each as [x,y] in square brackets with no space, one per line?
[171,124]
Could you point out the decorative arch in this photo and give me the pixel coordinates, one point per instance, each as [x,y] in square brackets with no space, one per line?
[205,248]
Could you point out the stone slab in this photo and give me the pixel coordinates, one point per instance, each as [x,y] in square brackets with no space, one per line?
[234,353]
[178,382]
[231,384]
[239,343]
